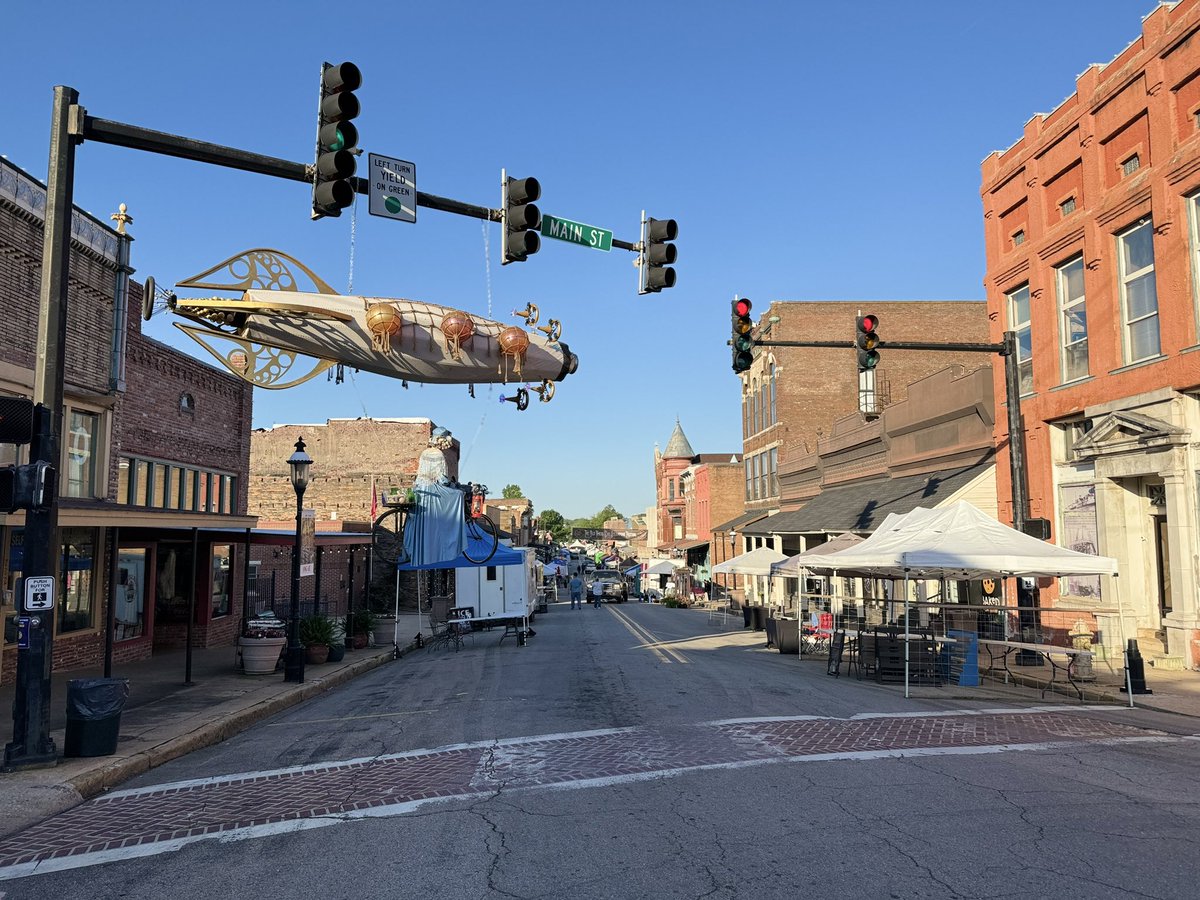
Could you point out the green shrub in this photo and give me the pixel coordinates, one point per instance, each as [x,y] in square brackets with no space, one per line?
[316,630]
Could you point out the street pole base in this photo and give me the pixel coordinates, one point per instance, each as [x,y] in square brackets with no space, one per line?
[293,665]
[15,758]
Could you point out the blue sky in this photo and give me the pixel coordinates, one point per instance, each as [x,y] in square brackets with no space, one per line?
[808,150]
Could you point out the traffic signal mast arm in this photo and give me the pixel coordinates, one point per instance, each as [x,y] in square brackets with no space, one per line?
[892,345]
[121,134]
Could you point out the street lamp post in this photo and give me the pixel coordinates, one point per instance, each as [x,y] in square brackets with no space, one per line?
[293,666]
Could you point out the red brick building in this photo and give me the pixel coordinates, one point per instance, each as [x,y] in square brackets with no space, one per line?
[154,455]
[1092,223]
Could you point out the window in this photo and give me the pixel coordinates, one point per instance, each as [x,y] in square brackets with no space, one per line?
[491,573]
[1018,321]
[15,562]
[81,456]
[1074,337]
[774,466]
[1193,206]
[75,571]
[670,488]
[1067,206]
[222,581]
[1078,531]
[1018,238]
[142,482]
[1131,165]
[745,414]
[756,418]
[758,477]
[1139,296]
[129,611]
[774,417]
[749,464]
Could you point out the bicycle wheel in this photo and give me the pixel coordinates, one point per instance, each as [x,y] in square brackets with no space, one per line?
[481,539]
[387,537]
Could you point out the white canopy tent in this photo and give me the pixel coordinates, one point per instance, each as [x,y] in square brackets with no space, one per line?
[759,561]
[794,565]
[961,542]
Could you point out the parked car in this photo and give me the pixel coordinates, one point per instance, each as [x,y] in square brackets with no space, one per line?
[614,588]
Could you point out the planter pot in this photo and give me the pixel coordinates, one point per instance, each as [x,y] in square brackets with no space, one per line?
[337,652]
[384,633]
[260,655]
[315,654]
[361,641]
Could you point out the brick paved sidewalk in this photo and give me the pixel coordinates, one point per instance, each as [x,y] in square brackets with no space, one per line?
[159,818]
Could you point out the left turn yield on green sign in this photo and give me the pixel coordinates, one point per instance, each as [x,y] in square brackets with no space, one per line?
[392,187]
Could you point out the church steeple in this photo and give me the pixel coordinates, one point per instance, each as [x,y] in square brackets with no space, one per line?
[678,446]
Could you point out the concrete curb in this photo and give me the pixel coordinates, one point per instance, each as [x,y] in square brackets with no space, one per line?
[97,781]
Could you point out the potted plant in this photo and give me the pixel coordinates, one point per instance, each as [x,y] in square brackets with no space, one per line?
[361,621]
[316,634]
[337,647]
[261,643]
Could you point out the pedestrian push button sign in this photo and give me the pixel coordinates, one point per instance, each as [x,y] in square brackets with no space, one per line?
[39,593]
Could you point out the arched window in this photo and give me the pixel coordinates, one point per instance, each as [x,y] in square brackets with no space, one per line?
[755,409]
[774,417]
[762,403]
[745,412]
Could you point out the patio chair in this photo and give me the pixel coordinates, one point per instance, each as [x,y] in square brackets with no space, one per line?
[865,665]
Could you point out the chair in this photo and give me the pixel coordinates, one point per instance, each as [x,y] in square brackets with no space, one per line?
[866,665]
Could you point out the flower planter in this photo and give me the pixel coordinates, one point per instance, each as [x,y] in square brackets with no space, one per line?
[383,634]
[260,655]
[337,652]
[316,654]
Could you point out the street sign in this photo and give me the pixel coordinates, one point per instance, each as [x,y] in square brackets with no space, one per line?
[576,233]
[393,188]
[39,593]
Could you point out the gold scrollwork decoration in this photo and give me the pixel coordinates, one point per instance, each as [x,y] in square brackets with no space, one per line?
[257,269]
[261,365]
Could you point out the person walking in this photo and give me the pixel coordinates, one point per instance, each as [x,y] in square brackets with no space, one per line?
[597,592]
[576,586]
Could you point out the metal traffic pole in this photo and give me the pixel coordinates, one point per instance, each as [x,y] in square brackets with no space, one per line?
[31,743]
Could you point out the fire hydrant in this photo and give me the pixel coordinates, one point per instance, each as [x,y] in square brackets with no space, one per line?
[1081,639]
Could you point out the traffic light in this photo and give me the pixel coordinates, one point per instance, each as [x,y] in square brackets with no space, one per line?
[657,256]
[30,486]
[16,420]
[866,342]
[337,140]
[520,218]
[741,342]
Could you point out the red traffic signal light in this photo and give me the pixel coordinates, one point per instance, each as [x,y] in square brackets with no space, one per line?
[866,341]
[742,307]
[743,345]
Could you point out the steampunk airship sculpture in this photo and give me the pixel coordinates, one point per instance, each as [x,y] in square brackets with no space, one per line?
[263,334]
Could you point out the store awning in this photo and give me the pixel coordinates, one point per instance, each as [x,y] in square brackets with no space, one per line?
[863,506]
[741,521]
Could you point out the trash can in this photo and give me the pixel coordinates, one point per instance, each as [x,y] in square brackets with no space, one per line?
[747,616]
[94,716]
[758,618]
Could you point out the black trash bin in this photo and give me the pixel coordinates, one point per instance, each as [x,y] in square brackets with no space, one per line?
[748,616]
[94,716]
[758,618]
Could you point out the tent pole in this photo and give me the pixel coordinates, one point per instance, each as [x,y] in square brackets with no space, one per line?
[396,618]
[1124,649]
[906,632]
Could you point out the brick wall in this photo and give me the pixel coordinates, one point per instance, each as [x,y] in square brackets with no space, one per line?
[150,421]
[815,387]
[347,454]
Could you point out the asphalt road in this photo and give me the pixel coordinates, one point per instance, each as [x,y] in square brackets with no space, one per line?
[639,751]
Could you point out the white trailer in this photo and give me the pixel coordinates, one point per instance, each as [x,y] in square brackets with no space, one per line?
[502,594]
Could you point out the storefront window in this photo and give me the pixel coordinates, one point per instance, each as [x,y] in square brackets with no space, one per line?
[130,605]
[222,582]
[15,545]
[77,564]
[1080,533]
[172,577]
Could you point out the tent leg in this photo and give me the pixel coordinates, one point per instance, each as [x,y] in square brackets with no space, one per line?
[906,609]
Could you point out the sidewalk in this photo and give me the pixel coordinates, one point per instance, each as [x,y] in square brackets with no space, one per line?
[163,719]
